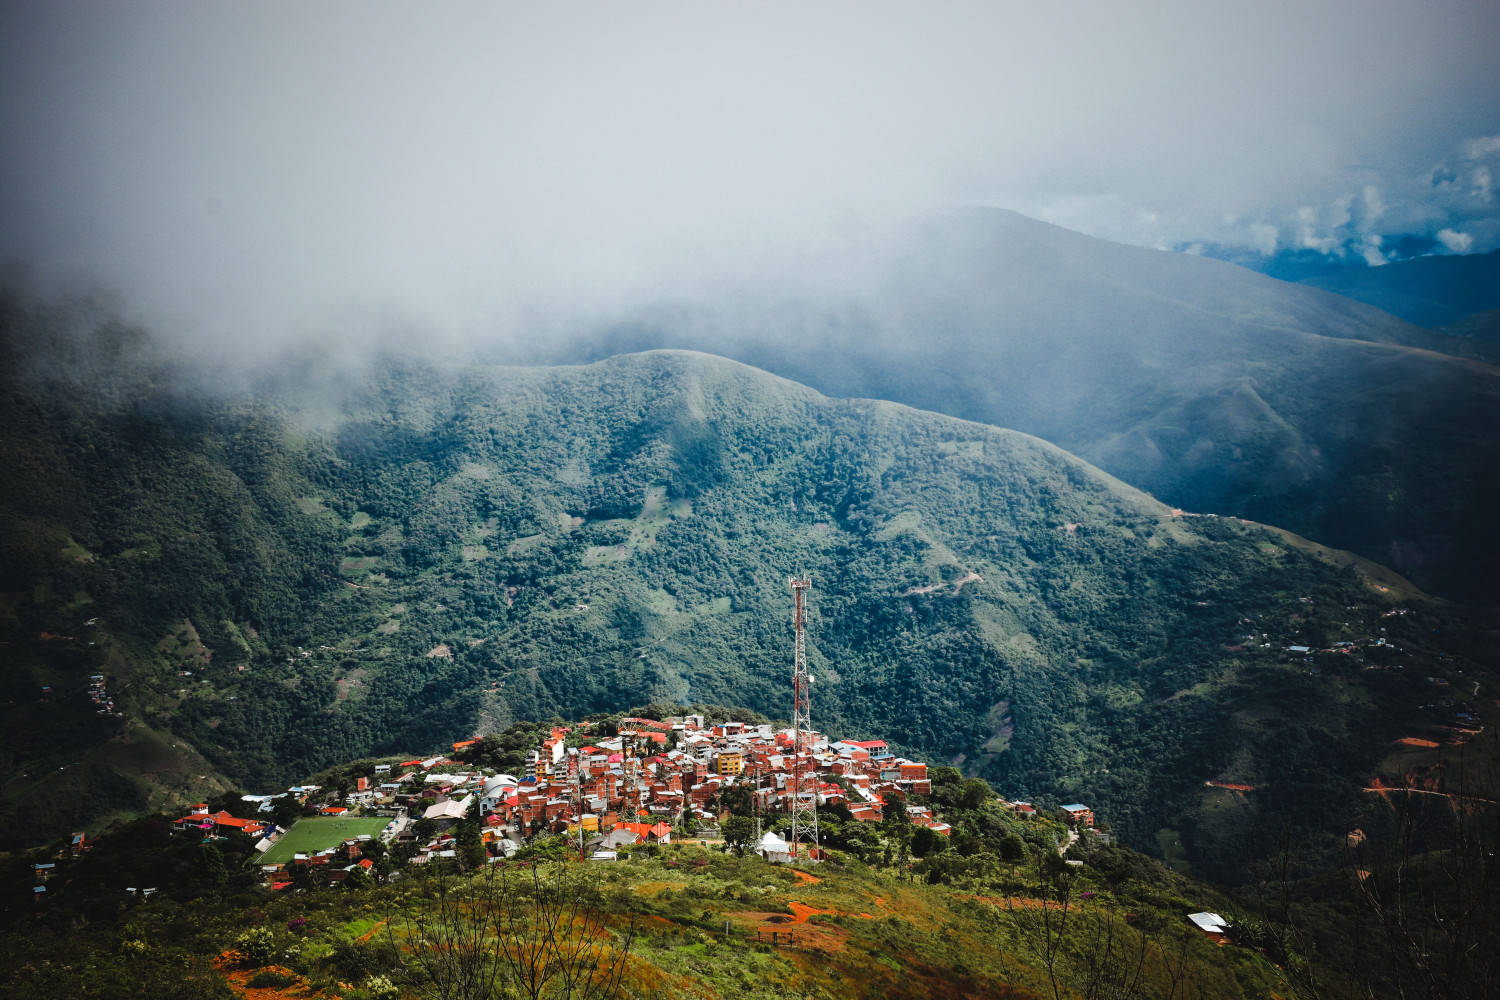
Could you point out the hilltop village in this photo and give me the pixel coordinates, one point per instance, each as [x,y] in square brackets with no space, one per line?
[603,786]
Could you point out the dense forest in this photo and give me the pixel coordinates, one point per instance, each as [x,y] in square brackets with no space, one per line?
[390,558]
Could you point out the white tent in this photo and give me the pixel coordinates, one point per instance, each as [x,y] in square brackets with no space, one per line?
[773,848]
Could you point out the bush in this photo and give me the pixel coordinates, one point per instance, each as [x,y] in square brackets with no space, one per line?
[257,945]
[271,979]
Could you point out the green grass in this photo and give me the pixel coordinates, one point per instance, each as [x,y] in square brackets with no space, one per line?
[318,834]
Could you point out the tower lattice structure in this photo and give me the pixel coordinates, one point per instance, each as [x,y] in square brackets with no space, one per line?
[804,810]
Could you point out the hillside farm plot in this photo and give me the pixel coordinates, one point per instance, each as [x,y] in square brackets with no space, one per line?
[318,833]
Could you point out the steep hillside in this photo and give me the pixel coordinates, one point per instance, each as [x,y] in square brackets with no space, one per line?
[1214,388]
[398,561]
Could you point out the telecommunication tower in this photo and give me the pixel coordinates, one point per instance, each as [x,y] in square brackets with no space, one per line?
[804,811]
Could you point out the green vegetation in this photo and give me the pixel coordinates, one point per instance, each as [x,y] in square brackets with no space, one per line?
[317,833]
[692,922]
[980,597]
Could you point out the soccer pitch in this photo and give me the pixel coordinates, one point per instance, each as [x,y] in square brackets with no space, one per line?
[318,833]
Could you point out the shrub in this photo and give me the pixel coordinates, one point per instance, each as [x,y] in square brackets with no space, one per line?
[256,944]
[381,988]
[271,979]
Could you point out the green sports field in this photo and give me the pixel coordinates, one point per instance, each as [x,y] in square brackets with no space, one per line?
[313,834]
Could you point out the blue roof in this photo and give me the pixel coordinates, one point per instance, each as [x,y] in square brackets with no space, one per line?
[1076,806]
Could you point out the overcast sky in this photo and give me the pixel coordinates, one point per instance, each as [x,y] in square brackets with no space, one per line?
[251,168]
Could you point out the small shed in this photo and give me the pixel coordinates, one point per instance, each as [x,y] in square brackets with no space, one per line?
[773,848]
[1213,926]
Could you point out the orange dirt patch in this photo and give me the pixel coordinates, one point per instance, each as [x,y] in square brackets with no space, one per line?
[1412,741]
[1232,785]
[803,934]
[805,878]
[230,966]
[1018,902]
[371,932]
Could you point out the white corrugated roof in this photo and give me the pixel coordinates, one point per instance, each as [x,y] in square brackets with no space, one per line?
[1210,923]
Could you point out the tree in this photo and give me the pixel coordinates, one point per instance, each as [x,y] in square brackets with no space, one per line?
[861,840]
[534,930]
[737,798]
[739,833]
[285,810]
[213,874]
[897,828]
[924,842]
[468,842]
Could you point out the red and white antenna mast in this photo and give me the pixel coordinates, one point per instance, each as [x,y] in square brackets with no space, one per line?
[804,811]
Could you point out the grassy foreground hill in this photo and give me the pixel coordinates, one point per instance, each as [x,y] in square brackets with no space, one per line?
[398,559]
[683,922]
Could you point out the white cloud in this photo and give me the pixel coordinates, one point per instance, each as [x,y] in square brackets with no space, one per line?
[1483,183]
[1480,147]
[1370,250]
[1455,242]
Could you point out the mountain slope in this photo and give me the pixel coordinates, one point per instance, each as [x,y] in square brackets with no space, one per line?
[458,547]
[1212,387]
[1433,291]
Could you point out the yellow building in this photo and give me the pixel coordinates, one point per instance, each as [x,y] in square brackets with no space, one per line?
[730,762]
[590,824]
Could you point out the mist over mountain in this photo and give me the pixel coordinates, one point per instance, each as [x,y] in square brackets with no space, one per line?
[1214,388]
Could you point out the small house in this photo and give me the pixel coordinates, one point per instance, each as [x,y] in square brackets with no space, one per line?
[1212,925]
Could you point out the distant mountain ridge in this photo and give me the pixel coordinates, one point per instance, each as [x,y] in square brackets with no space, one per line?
[1214,388]
[1436,291]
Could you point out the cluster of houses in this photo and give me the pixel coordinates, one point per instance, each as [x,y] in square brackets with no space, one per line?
[221,823]
[646,783]
[104,701]
[648,779]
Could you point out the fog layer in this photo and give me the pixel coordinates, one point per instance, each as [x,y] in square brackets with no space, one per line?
[253,172]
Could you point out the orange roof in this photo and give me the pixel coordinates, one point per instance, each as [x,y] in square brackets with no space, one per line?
[465,743]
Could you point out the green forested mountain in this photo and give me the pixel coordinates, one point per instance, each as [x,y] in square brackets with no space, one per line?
[1214,388]
[393,560]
